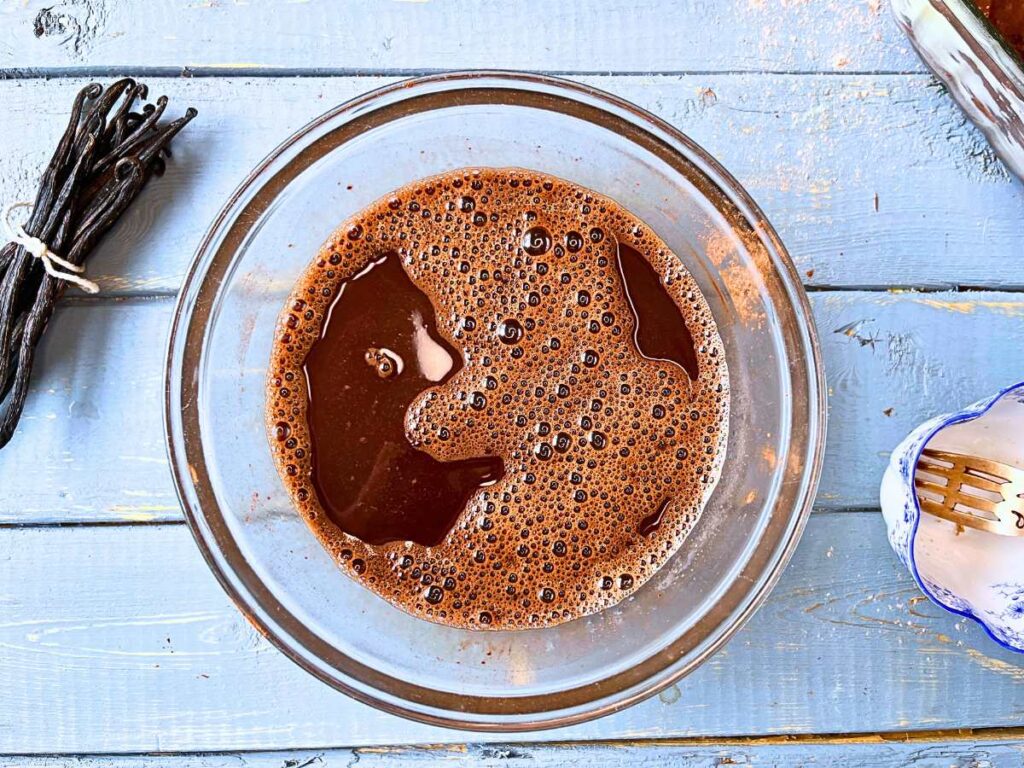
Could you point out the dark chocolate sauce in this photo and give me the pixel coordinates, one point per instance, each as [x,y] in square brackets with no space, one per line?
[661,332]
[379,349]
[652,522]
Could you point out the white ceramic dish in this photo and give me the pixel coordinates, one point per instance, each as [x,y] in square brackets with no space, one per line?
[968,572]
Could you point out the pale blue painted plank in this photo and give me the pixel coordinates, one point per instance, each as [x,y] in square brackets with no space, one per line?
[893,360]
[94,418]
[119,639]
[814,151]
[573,35]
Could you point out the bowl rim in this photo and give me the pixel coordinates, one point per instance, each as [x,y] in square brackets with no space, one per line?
[183,438]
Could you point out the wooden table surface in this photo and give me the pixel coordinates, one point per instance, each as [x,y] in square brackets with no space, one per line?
[116,639]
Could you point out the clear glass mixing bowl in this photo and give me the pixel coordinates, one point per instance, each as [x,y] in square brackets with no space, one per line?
[272,565]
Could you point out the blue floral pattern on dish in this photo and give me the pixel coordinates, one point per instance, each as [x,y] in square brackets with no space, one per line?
[1014,612]
[1005,621]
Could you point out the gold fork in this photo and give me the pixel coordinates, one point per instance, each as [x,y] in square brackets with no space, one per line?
[977,493]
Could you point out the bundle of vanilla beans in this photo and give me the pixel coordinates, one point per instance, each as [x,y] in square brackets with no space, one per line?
[108,152]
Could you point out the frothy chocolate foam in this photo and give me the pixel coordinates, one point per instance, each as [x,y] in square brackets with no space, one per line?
[498,399]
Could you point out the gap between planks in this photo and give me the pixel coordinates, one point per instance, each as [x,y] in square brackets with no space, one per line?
[948,735]
[881,737]
[185,71]
[125,523]
[959,290]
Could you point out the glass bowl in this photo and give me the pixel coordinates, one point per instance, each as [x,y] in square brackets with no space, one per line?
[272,565]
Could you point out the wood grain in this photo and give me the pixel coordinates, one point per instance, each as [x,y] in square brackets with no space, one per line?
[991,754]
[93,417]
[119,639]
[870,180]
[367,36]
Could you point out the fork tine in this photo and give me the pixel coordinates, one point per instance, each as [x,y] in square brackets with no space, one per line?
[984,483]
[995,468]
[931,458]
[947,456]
[927,485]
[974,502]
[963,518]
[978,493]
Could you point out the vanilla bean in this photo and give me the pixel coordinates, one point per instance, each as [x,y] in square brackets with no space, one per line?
[104,158]
[116,122]
[136,138]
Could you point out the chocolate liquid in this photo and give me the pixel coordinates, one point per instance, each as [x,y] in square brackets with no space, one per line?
[1008,17]
[498,399]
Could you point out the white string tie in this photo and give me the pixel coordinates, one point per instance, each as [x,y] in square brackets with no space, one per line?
[64,270]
